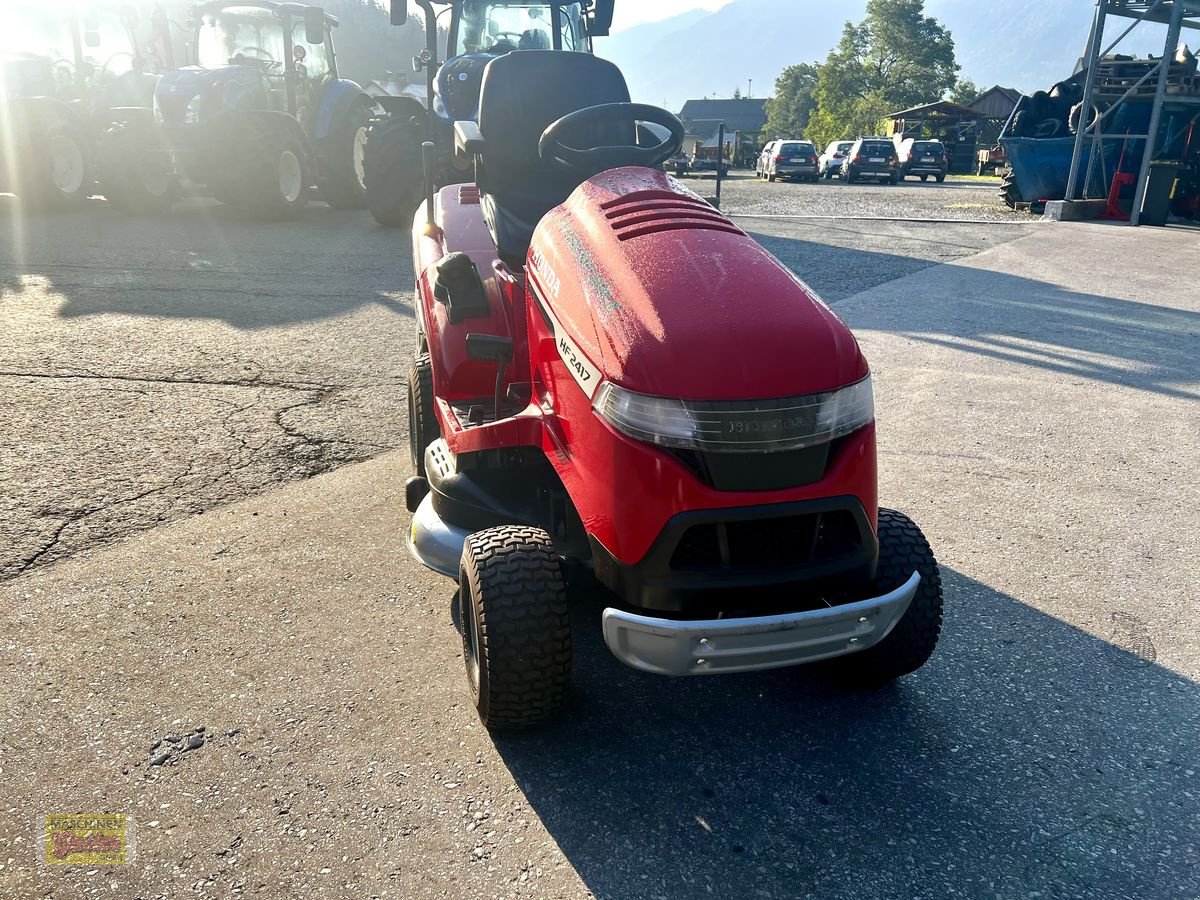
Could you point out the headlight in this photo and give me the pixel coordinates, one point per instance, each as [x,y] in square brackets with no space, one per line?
[752,426]
[191,115]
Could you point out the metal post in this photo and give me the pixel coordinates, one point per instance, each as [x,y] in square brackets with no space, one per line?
[720,160]
[1089,87]
[1169,49]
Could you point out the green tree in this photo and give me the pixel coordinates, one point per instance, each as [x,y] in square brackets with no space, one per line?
[795,100]
[965,92]
[896,57]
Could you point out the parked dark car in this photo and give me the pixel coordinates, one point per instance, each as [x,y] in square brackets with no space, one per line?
[923,158]
[793,159]
[872,157]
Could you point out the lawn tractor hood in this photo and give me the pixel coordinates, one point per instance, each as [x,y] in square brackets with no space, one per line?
[192,93]
[667,297]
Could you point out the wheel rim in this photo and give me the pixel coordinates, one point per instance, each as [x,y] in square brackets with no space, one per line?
[466,616]
[66,164]
[290,181]
[360,155]
[155,183]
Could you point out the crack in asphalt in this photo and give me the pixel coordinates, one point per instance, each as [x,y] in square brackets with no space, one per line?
[254,382]
[298,454]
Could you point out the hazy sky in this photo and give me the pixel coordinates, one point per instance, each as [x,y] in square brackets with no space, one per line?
[633,12]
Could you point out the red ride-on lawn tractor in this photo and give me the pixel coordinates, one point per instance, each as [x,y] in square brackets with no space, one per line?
[614,383]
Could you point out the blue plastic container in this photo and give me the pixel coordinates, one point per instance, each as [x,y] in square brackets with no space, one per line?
[1041,166]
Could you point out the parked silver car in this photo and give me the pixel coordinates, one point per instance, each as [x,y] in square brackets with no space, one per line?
[833,157]
[760,168]
[792,159]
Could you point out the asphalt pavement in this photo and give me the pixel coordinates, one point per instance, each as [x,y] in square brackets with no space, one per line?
[1037,395]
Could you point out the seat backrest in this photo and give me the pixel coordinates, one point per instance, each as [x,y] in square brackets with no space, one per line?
[522,94]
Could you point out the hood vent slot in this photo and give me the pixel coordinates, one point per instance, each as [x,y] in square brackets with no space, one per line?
[673,213]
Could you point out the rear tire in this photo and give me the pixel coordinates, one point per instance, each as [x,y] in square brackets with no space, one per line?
[343,181]
[135,168]
[276,172]
[941,179]
[902,550]
[516,626]
[423,428]
[394,172]
[924,177]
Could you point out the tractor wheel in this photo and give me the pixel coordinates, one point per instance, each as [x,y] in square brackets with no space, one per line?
[394,172]
[1009,192]
[57,172]
[276,172]
[902,550]
[516,626]
[423,428]
[135,169]
[343,180]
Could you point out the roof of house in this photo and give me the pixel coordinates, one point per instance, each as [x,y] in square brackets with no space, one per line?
[1009,93]
[738,115]
[940,108]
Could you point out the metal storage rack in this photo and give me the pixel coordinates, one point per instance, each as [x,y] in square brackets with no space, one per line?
[1176,15]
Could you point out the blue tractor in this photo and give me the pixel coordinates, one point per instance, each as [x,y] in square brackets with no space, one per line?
[257,121]
[477,31]
[63,68]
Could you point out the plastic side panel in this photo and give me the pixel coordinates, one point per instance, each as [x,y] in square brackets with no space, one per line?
[455,377]
[625,491]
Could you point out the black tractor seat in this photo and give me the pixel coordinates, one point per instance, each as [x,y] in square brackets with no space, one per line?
[522,94]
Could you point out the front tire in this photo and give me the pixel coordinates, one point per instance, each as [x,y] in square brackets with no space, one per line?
[57,174]
[343,171]
[394,171]
[902,550]
[277,172]
[423,428]
[136,174]
[516,626]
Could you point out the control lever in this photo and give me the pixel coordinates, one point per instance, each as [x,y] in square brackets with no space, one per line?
[493,348]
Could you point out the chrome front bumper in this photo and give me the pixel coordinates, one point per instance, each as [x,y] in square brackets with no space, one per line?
[718,646]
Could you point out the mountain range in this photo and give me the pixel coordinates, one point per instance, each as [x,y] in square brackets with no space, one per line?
[1026,44]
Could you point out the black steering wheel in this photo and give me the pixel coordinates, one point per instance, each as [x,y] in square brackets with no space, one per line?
[552,146]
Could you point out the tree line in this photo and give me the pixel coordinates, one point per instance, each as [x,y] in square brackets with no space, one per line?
[895,58]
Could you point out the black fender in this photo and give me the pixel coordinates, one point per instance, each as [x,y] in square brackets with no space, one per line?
[31,112]
[232,120]
[403,108]
[130,115]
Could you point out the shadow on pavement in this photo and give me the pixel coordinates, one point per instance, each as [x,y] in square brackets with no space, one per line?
[1027,759]
[1007,317]
[206,261]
